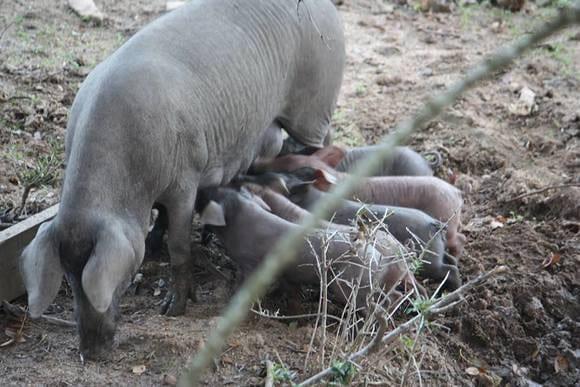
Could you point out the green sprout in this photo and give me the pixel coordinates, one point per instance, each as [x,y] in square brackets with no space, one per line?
[344,372]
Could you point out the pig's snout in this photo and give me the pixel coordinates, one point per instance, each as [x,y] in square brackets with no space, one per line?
[96,331]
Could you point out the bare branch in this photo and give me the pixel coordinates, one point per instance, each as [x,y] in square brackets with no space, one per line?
[542,190]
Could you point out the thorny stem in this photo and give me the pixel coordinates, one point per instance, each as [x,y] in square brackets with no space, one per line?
[285,250]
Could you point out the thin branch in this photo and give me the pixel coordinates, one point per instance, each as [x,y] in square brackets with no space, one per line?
[285,250]
[539,191]
[269,382]
[19,311]
[294,316]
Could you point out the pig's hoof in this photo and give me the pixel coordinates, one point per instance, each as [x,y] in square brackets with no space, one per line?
[173,304]
[179,291]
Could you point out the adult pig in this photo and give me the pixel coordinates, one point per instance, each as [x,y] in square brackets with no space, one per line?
[181,105]
[248,232]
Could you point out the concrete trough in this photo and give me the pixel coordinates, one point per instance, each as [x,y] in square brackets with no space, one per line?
[12,241]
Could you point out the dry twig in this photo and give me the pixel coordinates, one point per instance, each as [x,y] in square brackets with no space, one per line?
[542,190]
[19,311]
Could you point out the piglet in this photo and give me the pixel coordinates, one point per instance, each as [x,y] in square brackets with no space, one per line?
[405,224]
[248,231]
[403,161]
[426,193]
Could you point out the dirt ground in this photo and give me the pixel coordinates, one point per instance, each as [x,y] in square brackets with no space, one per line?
[519,328]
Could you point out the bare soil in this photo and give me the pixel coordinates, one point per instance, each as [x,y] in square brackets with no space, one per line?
[521,327]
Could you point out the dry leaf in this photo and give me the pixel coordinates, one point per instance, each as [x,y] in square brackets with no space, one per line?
[156,292]
[15,335]
[139,369]
[501,219]
[452,176]
[552,260]
[473,371]
[561,363]
[495,224]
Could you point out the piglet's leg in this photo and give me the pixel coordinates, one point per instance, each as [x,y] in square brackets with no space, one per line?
[180,209]
[437,272]
[455,243]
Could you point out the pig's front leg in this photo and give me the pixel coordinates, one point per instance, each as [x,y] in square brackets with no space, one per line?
[180,209]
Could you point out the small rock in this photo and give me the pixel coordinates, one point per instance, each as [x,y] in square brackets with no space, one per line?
[138,278]
[388,51]
[260,340]
[139,369]
[436,6]
[526,104]
[171,5]
[86,9]
[385,80]
[534,308]
[168,380]
[427,72]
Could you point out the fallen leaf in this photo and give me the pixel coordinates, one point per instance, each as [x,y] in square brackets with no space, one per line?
[452,176]
[552,260]
[561,363]
[473,371]
[495,224]
[139,369]
[501,219]
[156,292]
[15,335]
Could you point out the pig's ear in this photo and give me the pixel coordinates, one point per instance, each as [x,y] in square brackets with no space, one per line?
[324,180]
[213,214]
[109,267]
[41,270]
[331,155]
[279,185]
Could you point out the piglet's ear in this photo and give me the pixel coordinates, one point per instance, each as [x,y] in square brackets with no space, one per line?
[324,180]
[279,185]
[328,177]
[331,155]
[213,214]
